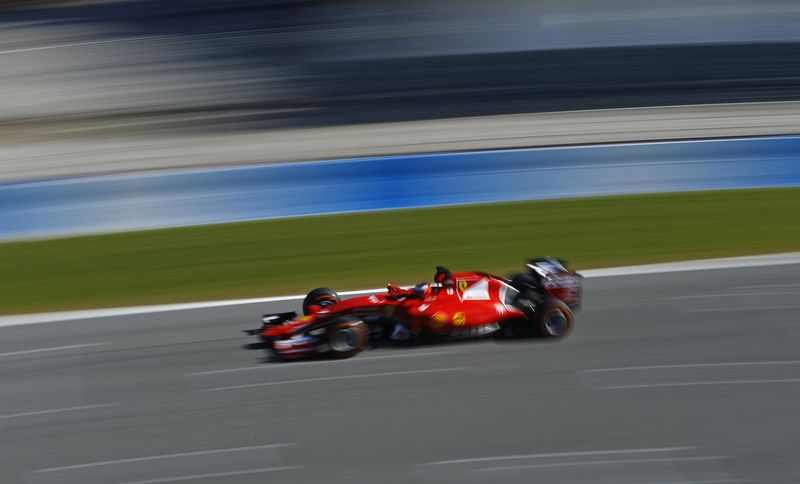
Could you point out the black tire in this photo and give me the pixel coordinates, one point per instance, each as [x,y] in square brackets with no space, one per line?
[347,337]
[554,320]
[321,296]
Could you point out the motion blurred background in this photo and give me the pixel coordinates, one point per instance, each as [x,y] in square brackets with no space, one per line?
[160,152]
[73,69]
[141,88]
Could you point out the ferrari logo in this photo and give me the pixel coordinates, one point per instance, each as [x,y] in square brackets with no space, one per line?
[462,285]
[459,319]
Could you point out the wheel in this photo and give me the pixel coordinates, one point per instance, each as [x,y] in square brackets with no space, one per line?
[554,320]
[347,337]
[321,296]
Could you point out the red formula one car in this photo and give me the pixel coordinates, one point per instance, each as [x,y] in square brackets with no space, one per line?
[539,302]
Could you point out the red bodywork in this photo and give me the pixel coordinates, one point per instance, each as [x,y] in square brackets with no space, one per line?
[466,304]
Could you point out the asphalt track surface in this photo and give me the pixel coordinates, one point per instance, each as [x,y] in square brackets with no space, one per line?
[685,377]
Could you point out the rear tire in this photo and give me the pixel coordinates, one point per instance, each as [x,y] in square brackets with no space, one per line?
[554,320]
[321,296]
[347,337]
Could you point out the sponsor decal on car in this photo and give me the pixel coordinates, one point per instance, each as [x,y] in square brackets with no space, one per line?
[295,342]
[474,290]
[401,332]
[476,331]
[459,319]
[440,319]
[388,310]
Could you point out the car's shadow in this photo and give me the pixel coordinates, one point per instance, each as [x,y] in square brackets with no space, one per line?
[384,344]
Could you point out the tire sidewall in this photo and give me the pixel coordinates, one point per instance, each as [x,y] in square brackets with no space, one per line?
[361,332]
[547,309]
[318,295]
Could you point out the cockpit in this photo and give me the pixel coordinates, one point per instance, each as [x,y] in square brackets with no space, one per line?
[421,290]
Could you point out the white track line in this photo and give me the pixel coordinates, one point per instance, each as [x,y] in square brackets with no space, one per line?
[703,383]
[54,348]
[162,456]
[215,474]
[558,454]
[739,294]
[301,364]
[746,308]
[603,462]
[330,378]
[121,40]
[37,318]
[704,481]
[57,410]
[699,265]
[694,365]
[767,286]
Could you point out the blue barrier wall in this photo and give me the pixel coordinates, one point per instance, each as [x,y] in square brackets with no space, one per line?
[175,198]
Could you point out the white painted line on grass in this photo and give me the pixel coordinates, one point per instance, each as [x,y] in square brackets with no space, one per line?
[162,456]
[603,462]
[301,364]
[694,365]
[54,348]
[214,474]
[330,378]
[703,383]
[699,265]
[57,410]
[558,454]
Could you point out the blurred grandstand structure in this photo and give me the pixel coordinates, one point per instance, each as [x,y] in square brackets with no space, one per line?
[85,83]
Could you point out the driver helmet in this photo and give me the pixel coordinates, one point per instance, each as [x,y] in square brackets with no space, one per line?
[421,290]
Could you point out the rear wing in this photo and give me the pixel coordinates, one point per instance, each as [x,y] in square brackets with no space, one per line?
[557,280]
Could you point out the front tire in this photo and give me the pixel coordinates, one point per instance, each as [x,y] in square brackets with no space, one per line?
[347,337]
[321,296]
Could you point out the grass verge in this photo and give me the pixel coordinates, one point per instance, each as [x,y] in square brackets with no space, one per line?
[365,250]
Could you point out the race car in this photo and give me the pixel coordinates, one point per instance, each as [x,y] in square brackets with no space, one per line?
[538,302]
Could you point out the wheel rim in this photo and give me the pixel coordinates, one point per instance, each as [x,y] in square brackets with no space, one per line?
[325,301]
[556,323]
[344,340]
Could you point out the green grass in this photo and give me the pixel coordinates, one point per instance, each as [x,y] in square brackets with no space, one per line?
[365,250]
